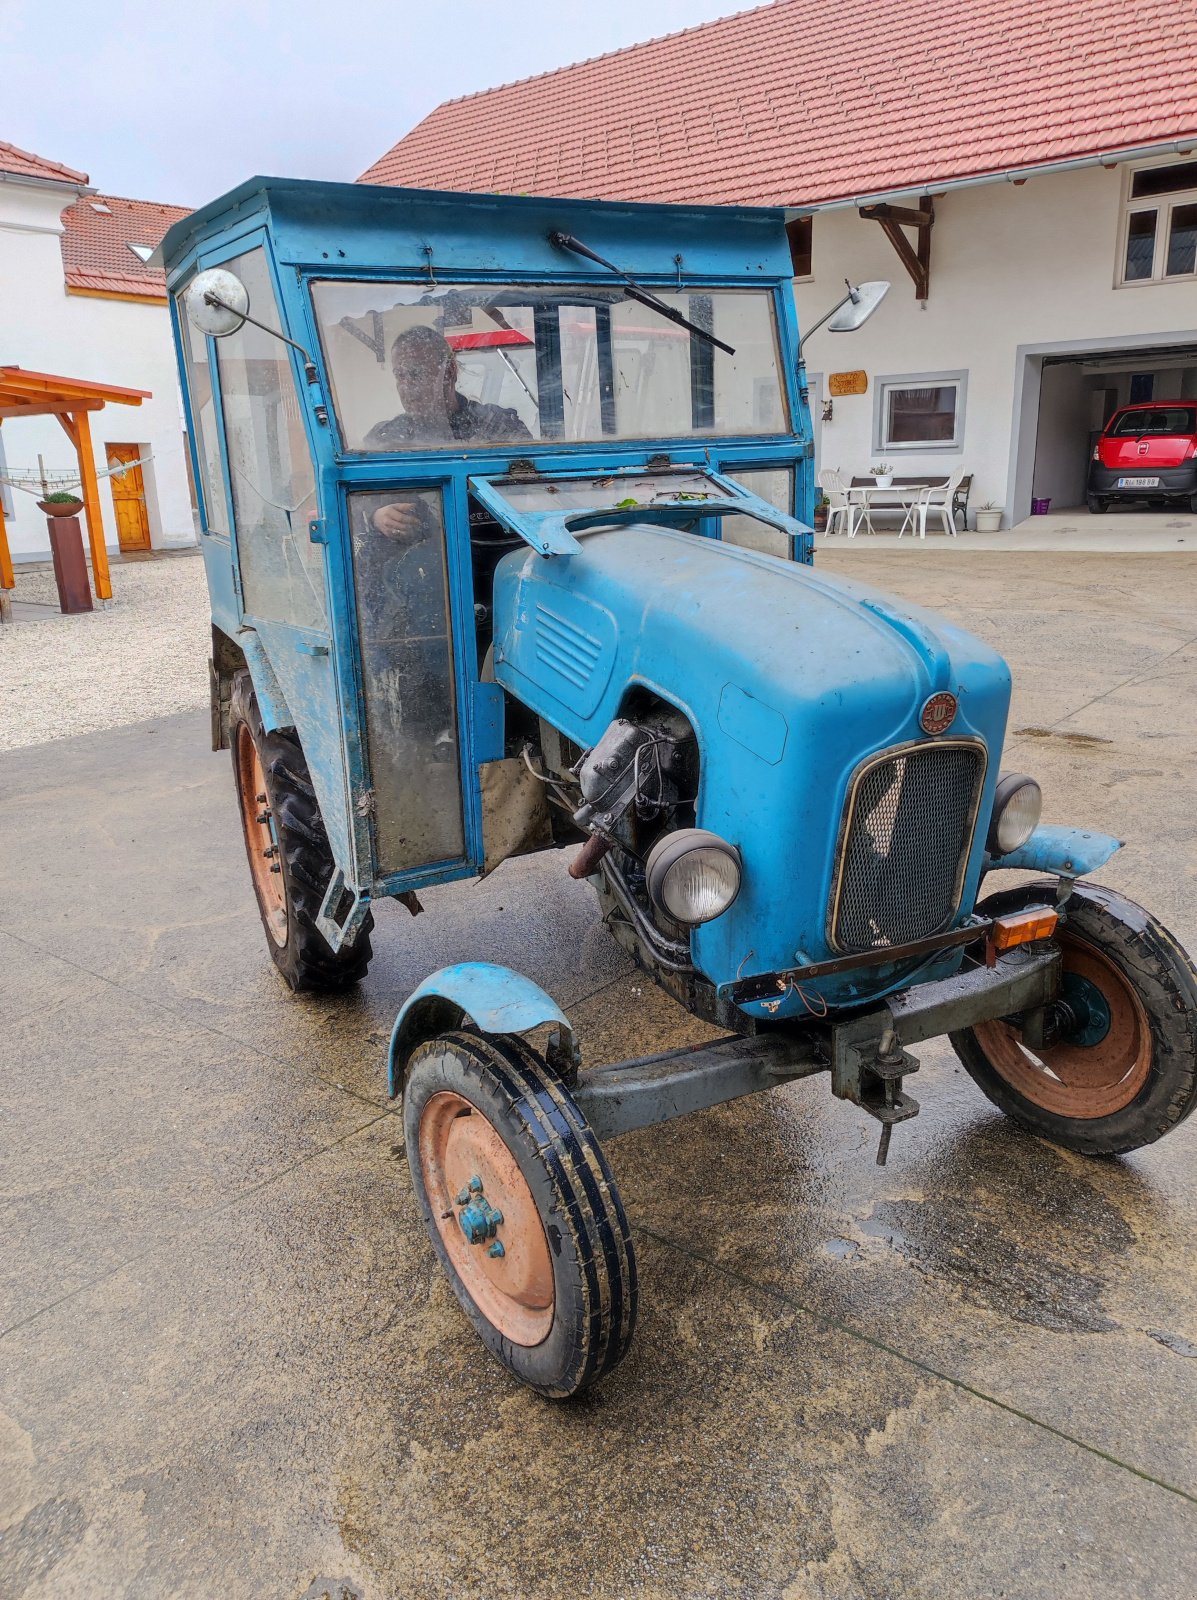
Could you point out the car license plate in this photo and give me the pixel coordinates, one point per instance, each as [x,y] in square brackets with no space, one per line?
[1138,483]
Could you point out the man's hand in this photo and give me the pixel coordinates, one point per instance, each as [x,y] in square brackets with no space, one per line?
[405,521]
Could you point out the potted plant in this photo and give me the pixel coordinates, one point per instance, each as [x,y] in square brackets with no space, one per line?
[883,473]
[61,504]
[989,517]
[822,505]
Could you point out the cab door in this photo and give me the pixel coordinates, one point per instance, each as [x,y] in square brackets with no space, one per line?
[413,683]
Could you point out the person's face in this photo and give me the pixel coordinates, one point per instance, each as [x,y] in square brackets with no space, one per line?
[424,374]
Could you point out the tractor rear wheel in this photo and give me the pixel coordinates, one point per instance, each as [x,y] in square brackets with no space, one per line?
[290,860]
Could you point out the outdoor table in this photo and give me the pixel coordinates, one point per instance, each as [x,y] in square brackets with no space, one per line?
[909,497]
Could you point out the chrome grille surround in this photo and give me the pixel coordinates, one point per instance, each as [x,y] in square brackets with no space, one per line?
[904,842]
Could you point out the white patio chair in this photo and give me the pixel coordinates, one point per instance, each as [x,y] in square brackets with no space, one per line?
[840,509]
[940,501]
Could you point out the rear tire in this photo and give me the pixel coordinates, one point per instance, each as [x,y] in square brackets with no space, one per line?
[496,1143]
[283,830]
[1126,1071]
[1098,504]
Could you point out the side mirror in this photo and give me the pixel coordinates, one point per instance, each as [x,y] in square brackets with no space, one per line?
[860,305]
[216,302]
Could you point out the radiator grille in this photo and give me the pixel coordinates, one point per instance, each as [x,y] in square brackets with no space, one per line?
[908,827]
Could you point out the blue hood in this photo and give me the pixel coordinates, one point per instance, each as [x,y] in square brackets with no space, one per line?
[790,678]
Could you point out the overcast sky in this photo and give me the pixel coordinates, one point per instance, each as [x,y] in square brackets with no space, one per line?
[179,102]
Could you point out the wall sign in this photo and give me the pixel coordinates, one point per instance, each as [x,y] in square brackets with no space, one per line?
[847,382]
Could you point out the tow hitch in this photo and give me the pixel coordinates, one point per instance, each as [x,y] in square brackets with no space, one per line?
[868,1061]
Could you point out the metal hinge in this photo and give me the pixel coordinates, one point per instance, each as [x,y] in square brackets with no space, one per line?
[318,530]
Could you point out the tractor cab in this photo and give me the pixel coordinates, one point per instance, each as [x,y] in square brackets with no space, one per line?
[391,390]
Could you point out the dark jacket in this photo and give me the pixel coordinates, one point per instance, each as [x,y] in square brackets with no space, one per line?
[471,420]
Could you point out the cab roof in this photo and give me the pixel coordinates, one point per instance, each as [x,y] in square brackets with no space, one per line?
[348,226]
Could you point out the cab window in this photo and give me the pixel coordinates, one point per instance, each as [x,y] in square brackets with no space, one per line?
[418,367]
[270,468]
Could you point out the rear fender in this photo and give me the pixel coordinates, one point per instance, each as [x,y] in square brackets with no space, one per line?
[272,702]
[495,999]
[1066,852]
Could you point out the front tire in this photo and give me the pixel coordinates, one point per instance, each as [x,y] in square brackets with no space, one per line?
[1122,1071]
[290,859]
[521,1208]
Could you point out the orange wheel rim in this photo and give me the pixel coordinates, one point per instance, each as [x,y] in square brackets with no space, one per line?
[260,846]
[1079,1080]
[465,1162]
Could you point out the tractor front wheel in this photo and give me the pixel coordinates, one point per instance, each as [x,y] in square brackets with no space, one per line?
[521,1208]
[1117,1067]
[290,860]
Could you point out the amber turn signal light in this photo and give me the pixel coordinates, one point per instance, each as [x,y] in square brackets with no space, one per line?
[1020,927]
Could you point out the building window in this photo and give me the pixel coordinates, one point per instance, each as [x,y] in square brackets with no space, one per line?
[922,411]
[799,234]
[1160,238]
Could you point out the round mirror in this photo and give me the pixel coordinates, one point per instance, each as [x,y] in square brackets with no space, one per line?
[217,302]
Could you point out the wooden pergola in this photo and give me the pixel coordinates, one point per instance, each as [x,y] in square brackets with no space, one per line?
[41,394]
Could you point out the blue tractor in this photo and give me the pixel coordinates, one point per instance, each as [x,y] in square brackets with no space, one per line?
[506,513]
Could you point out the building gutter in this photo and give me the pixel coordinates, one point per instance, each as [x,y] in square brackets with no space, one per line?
[1111,158]
[27,180]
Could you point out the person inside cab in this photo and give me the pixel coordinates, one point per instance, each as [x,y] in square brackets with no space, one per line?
[434,412]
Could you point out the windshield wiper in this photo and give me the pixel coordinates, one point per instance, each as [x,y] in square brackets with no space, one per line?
[566,241]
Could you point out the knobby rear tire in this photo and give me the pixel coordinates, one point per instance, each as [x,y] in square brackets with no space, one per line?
[302,954]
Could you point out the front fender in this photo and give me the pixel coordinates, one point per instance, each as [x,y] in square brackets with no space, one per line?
[494,998]
[1067,852]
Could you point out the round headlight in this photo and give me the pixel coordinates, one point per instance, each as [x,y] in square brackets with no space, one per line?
[692,875]
[1016,808]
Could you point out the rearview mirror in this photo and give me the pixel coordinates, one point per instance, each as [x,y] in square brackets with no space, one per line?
[216,301]
[860,305]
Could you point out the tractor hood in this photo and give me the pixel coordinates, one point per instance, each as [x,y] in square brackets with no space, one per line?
[790,679]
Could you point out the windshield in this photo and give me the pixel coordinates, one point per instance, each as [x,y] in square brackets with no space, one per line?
[417,366]
[1159,420]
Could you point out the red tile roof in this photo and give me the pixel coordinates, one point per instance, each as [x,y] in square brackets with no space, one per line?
[24,164]
[808,101]
[95,245]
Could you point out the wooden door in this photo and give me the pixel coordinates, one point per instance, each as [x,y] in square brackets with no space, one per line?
[128,499]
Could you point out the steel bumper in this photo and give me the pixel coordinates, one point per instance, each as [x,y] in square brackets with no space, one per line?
[636,1094]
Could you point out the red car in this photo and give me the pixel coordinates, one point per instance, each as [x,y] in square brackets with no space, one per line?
[1146,452]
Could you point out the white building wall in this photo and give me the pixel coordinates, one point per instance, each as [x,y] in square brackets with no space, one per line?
[1013,270]
[106,341]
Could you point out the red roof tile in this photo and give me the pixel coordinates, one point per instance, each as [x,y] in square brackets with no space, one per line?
[95,245]
[808,101]
[24,164]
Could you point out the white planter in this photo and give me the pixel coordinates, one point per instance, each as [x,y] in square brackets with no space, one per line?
[988,521]
[884,480]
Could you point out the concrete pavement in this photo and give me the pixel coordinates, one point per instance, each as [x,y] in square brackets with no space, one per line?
[1134,531]
[229,1364]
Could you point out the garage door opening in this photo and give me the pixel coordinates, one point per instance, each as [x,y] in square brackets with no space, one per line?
[1079,393]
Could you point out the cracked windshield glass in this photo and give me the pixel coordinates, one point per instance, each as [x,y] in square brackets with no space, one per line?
[417,366]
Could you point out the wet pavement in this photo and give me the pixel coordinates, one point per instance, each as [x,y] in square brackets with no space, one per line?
[229,1365]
